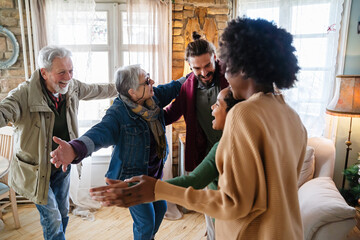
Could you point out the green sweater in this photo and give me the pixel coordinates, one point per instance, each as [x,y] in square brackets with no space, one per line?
[204,174]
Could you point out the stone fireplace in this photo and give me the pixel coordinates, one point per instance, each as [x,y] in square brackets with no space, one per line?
[208,18]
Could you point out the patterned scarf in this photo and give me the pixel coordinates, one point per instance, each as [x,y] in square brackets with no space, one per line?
[150,113]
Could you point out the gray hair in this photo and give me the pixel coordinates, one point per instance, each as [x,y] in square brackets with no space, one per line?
[49,53]
[127,77]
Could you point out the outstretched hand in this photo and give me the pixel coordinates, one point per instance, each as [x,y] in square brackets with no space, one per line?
[118,193]
[63,155]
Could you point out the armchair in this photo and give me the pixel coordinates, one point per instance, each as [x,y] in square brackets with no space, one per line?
[324,212]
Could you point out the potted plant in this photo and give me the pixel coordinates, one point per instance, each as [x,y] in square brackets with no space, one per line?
[351,193]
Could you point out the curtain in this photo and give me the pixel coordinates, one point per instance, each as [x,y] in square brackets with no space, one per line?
[148,37]
[38,22]
[70,24]
[315,25]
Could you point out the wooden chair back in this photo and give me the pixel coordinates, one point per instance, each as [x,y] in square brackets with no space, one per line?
[6,144]
[6,192]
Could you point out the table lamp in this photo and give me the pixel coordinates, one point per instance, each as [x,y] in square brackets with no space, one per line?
[346,103]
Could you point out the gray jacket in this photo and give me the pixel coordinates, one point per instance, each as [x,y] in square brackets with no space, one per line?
[27,108]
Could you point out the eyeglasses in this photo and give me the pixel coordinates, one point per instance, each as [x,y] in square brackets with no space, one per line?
[147,80]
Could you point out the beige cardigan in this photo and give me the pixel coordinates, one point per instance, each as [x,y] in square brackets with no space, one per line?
[259,159]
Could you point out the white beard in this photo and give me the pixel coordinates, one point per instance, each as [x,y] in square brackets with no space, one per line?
[60,90]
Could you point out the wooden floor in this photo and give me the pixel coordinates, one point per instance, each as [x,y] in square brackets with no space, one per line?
[110,223]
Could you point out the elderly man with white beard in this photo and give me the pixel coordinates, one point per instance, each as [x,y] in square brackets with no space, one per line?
[40,108]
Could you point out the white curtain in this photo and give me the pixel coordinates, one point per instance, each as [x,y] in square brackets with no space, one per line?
[148,37]
[70,24]
[315,25]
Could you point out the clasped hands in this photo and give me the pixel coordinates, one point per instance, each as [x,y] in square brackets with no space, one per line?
[122,194]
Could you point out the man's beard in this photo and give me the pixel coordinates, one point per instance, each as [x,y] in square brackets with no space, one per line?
[60,90]
[208,83]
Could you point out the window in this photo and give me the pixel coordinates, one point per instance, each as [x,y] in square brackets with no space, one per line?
[103,40]
[97,66]
[93,40]
[315,27]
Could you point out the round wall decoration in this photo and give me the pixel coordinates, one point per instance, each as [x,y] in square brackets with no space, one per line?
[15,46]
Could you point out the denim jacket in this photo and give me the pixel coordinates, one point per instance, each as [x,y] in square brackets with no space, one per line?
[129,134]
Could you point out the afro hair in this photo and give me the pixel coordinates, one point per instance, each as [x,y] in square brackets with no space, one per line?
[261,51]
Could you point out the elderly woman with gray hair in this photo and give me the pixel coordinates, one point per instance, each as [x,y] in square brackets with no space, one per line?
[135,125]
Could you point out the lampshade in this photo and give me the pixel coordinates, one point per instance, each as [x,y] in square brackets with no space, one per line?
[346,101]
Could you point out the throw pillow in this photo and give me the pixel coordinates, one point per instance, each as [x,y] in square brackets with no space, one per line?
[308,167]
[320,204]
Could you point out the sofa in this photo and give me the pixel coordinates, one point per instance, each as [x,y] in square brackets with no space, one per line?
[325,214]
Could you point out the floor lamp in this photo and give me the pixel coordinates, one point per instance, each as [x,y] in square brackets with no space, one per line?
[346,103]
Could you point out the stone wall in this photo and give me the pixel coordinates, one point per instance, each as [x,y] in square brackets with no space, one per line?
[207,17]
[9,18]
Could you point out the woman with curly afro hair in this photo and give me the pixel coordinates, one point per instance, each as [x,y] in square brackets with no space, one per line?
[261,151]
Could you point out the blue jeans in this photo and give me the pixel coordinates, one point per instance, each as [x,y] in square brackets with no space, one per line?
[147,219]
[54,215]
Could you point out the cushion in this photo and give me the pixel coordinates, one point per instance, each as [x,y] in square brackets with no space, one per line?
[320,204]
[3,188]
[308,167]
